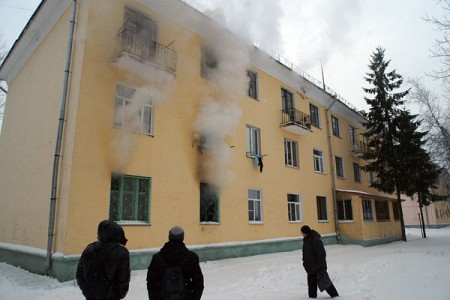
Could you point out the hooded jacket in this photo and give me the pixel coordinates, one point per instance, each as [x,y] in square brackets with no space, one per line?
[314,255]
[175,253]
[110,248]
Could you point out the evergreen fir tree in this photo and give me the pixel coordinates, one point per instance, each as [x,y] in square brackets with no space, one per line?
[383,134]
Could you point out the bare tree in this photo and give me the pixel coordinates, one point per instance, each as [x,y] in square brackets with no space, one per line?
[435,113]
[441,47]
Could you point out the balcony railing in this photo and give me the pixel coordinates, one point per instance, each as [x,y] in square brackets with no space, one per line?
[358,148]
[295,121]
[144,49]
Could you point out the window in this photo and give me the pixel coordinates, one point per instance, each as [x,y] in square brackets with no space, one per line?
[129,198]
[253,141]
[133,111]
[290,153]
[287,100]
[371,177]
[352,133]
[318,161]
[314,112]
[209,203]
[335,126]
[367,210]
[339,167]
[208,63]
[294,208]
[396,211]
[252,85]
[356,172]
[254,206]
[382,210]
[344,208]
[139,33]
[322,214]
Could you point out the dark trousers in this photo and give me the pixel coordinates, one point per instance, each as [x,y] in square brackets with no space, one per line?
[312,287]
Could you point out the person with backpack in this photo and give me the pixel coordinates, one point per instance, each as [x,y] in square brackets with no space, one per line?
[174,272]
[315,264]
[103,271]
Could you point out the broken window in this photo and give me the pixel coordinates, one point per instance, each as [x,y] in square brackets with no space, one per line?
[139,33]
[208,62]
[209,203]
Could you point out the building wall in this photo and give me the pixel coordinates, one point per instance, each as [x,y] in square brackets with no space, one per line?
[27,141]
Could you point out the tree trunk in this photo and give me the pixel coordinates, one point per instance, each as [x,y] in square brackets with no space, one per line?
[421,216]
[400,211]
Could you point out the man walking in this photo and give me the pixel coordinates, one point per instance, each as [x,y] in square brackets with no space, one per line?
[174,272]
[315,264]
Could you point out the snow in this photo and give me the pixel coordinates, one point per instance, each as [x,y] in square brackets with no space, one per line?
[417,269]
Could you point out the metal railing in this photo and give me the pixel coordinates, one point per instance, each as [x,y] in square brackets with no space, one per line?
[292,115]
[358,148]
[145,49]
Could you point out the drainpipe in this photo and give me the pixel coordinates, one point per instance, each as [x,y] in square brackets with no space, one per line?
[59,137]
[333,174]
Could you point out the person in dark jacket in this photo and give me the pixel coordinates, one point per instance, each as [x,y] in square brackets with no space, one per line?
[110,248]
[315,264]
[175,253]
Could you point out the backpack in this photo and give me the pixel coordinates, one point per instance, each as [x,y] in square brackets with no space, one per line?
[96,282]
[173,284]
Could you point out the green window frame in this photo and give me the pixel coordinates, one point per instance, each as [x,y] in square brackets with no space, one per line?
[130,199]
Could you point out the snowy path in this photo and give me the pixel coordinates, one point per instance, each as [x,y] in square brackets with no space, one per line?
[418,269]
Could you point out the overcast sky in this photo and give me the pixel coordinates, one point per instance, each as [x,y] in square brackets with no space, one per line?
[341,34]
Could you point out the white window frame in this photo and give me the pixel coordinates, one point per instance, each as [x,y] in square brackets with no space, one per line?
[367,205]
[127,109]
[340,173]
[318,161]
[255,206]
[291,153]
[295,208]
[253,146]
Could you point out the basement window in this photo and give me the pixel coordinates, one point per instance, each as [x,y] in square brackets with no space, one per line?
[129,199]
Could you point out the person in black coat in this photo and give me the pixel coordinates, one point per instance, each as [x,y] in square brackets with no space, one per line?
[175,253]
[314,262]
[110,249]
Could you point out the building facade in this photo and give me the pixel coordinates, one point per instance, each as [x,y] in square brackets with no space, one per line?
[164,117]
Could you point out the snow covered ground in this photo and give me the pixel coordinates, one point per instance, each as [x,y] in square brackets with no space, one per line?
[418,269]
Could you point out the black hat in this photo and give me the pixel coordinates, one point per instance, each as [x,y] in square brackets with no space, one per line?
[176,233]
[305,229]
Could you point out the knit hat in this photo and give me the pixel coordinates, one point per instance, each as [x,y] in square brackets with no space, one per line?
[176,233]
[305,229]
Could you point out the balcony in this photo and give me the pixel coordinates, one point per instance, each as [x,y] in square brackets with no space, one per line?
[358,148]
[295,121]
[133,51]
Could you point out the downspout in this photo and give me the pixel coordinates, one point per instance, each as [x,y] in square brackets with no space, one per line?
[59,138]
[333,175]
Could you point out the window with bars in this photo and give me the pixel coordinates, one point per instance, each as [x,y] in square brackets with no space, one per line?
[290,153]
[322,214]
[294,208]
[129,198]
[255,213]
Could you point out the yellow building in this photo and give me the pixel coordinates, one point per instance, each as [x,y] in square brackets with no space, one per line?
[151,114]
